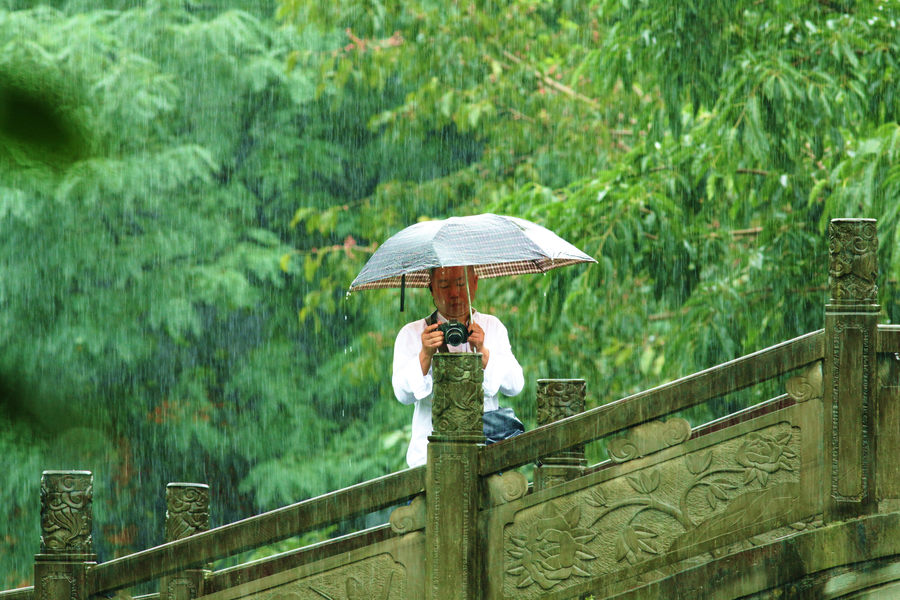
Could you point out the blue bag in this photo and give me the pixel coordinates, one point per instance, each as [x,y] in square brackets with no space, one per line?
[501,424]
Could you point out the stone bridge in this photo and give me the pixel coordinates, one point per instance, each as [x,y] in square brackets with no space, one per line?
[796,497]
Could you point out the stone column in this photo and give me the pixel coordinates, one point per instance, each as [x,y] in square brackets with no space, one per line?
[66,544]
[851,321]
[452,483]
[187,513]
[558,399]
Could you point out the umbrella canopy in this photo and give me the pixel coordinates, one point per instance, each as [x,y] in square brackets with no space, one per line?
[494,245]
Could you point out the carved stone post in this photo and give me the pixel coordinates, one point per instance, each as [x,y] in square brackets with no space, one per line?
[851,322]
[187,513]
[452,492]
[66,544]
[558,399]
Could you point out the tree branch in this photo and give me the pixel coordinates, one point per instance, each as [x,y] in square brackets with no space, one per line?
[549,81]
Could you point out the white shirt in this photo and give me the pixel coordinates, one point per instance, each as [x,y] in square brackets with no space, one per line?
[503,374]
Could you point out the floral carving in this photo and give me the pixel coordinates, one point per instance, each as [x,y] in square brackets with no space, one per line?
[553,549]
[758,457]
[762,455]
[633,540]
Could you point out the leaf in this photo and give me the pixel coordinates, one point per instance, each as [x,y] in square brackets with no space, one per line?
[621,549]
[637,483]
[749,475]
[596,498]
[284,262]
[696,463]
[718,492]
[650,480]
[573,515]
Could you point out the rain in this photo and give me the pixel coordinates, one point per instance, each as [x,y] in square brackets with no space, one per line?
[189,189]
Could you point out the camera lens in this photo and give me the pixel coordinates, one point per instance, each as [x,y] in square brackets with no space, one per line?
[455,336]
[455,333]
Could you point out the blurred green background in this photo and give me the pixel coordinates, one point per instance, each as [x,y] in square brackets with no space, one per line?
[188,188]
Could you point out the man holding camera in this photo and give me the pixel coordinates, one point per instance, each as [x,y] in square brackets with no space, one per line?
[418,341]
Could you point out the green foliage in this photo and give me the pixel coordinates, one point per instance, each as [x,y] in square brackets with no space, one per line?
[696,151]
[150,321]
[173,286]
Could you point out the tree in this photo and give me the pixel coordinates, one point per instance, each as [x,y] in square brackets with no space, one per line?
[173,286]
[150,290]
[696,151]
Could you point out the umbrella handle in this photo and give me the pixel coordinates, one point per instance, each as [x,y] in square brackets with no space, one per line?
[402,290]
[468,294]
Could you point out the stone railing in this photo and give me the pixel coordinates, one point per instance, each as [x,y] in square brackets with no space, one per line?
[468,525]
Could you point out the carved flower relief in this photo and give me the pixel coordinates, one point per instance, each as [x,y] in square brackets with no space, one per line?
[633,540]
[553,549]
[761,455]
[698,462]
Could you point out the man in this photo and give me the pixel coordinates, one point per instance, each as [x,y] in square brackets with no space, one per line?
[418,341]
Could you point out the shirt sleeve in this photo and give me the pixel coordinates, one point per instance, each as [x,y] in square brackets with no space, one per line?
[409,383]
[503,372]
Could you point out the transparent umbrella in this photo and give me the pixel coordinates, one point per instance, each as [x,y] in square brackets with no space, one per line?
[493,245]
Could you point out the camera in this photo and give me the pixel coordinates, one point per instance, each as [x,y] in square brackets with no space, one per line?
[455,333]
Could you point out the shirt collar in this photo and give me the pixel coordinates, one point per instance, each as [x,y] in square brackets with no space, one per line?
[442,319]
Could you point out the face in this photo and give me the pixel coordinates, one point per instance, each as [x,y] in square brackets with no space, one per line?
[448,288]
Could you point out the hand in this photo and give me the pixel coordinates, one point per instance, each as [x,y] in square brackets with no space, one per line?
[476,340]
[432,339]
[476,336]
